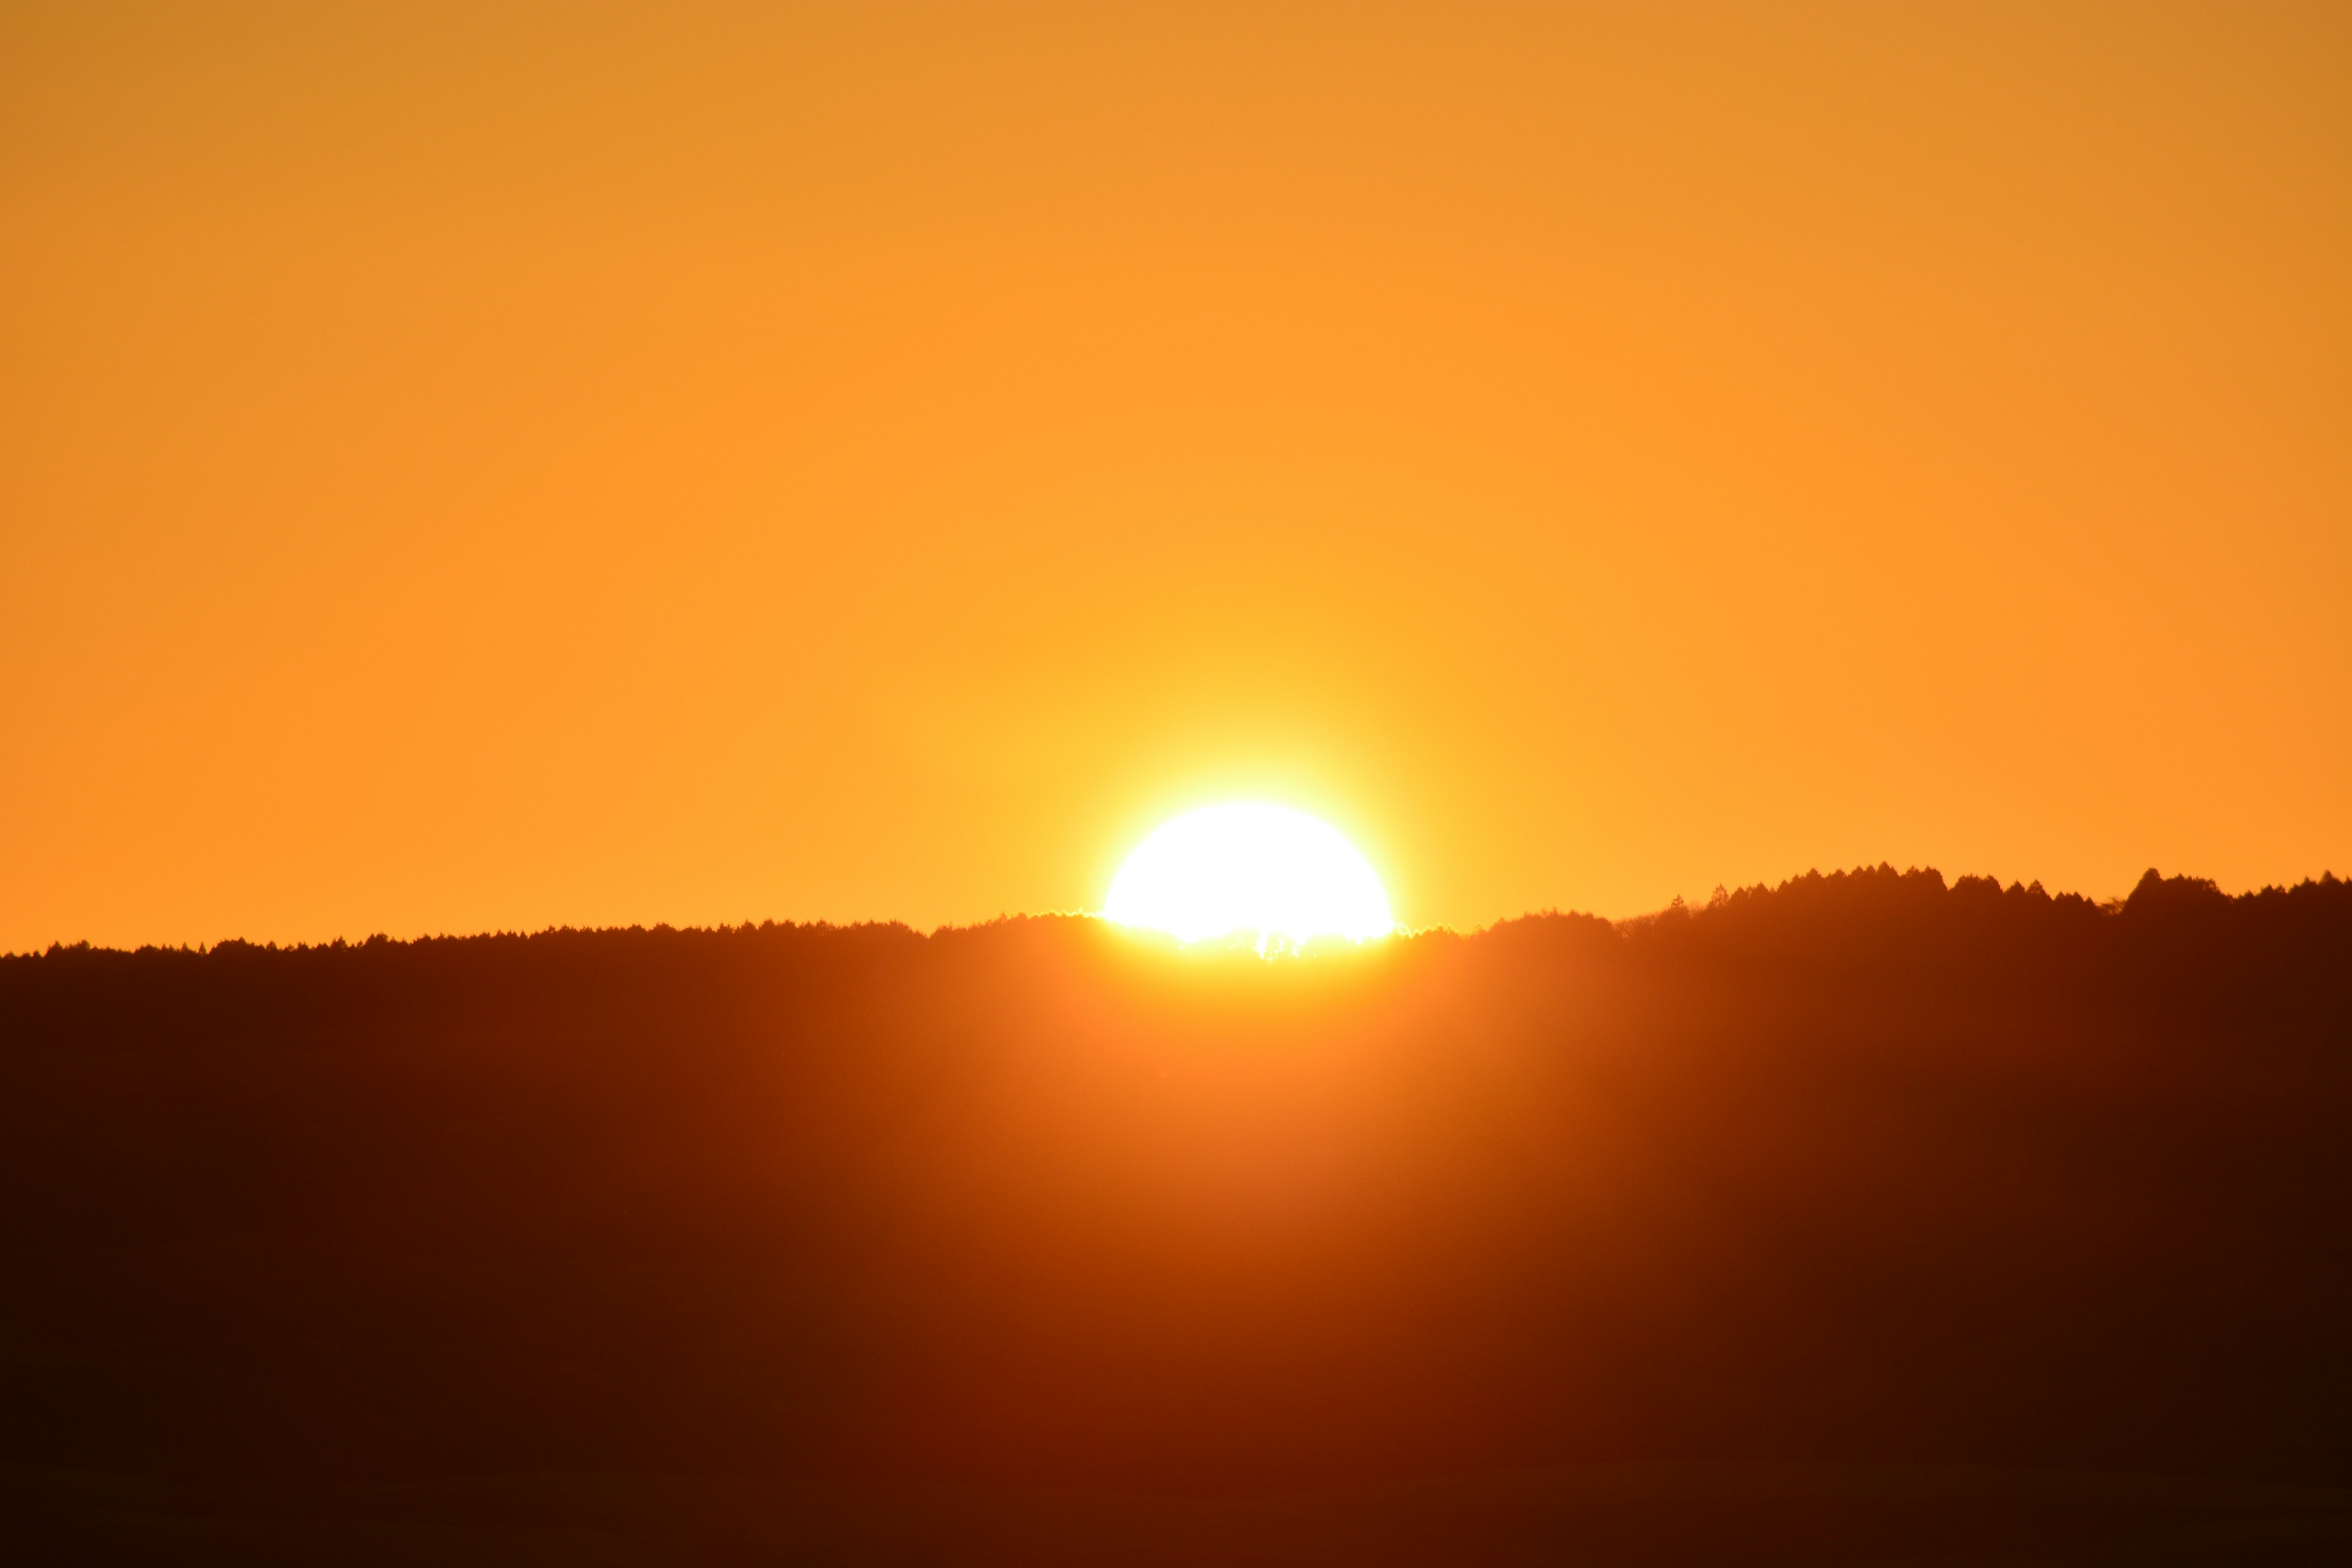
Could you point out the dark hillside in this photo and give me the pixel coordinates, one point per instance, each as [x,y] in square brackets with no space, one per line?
[1864,1218]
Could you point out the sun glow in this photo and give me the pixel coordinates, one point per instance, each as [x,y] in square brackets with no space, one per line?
[1245,868]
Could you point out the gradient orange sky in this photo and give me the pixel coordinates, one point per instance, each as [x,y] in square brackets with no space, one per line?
[475,467]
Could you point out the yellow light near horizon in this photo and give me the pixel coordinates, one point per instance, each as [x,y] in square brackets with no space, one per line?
[1247,869]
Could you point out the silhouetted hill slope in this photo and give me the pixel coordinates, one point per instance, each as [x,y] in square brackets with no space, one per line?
[1862,1170]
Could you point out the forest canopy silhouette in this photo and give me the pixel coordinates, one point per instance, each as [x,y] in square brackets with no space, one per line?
[1865,1167]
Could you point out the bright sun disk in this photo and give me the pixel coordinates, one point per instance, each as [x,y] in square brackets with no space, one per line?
[1224,870]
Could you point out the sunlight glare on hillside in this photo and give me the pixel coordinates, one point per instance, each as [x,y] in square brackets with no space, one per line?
[1250,869]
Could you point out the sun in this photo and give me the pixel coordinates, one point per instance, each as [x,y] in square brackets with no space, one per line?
[1244,868]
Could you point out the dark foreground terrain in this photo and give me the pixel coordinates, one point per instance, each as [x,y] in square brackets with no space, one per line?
[1864,1220]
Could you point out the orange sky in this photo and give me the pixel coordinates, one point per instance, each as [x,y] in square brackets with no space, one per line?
[466,468]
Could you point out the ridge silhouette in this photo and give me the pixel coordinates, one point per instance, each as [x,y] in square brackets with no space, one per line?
[1866,1168]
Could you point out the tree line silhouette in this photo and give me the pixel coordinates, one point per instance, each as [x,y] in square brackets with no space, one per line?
[1866,1168]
